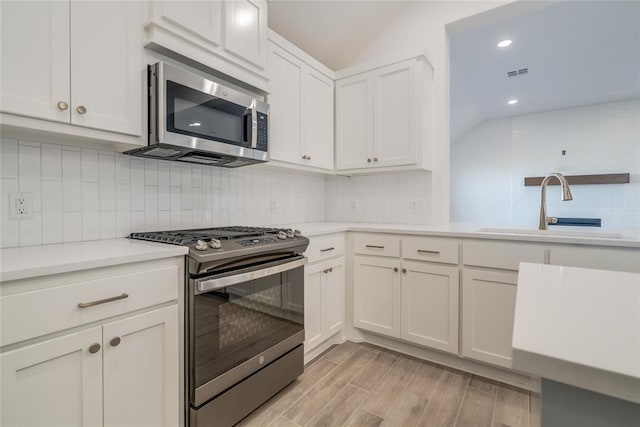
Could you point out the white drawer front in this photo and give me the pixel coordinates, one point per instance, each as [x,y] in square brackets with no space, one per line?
[32,314]
[324,247]
[504,255]
[377,244]
[604,258]
[430,249]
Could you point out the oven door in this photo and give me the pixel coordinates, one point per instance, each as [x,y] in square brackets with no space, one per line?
[239,323]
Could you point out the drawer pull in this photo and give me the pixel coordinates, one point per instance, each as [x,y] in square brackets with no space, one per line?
[375,246]
[327,249]
[424,251]
[102,301]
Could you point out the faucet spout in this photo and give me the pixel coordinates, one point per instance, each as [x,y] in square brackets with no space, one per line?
[566,195]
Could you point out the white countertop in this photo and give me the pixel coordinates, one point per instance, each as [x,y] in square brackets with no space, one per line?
[569,235]
[580,327]
[33,261]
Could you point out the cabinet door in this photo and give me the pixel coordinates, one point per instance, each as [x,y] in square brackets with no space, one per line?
[313,305]
[199,18]
[107,68]
[430,305]
[317,119]
[285,106]
[488,308]
[141,370]
[34,71]
[395,115]
[376,295]
[333,298]
[245,32]
[354,127]
[56,382]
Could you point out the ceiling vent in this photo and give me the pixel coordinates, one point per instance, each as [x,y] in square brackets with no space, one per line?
[516,73]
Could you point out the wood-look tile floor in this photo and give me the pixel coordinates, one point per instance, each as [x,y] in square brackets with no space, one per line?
[363,385]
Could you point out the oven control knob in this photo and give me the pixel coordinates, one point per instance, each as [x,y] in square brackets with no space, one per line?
[282,235]
[215,244]
[201,245]
[290,233]
[297,233]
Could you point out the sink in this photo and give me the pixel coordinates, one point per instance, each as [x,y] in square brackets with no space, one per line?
[552,232]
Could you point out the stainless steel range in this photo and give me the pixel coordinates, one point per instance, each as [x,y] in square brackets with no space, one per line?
[244,317]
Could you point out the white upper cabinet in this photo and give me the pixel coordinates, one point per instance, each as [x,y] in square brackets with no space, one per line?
[73,63]
[300,107]
[382,117]
[107,70]
[35,74]
[245,32]
[199,18]
[229,37]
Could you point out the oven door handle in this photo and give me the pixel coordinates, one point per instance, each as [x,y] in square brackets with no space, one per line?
[206,285]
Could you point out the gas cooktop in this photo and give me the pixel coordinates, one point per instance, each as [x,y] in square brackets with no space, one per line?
[207,244]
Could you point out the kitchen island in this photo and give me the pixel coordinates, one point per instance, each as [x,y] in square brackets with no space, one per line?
[579,329]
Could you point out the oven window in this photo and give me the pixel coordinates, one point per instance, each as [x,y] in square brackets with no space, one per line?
[194,113]
[234,324]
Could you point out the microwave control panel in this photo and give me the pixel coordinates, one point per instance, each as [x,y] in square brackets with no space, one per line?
[263,132]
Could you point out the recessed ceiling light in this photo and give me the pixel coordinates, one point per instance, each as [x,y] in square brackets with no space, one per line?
[512,101]
[504,43]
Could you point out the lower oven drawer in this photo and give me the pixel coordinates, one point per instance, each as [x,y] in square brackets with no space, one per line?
[242,399]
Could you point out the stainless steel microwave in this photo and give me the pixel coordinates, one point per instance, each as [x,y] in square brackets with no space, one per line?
[197,120]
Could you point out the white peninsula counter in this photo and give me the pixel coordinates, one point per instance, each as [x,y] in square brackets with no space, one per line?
[579,329]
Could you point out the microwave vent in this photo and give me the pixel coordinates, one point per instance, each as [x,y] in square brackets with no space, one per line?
[163,152]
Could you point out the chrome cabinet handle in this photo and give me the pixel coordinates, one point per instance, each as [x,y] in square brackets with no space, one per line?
[115,341]
[94,348]
[81,109]
[304,157]
[330,269]
[375,159]
[62,105]
[325,271]
[368,160]
[404,270]
[308,157]
[327,249]
[375,246]
[395,269]
[424,251]
[102,301]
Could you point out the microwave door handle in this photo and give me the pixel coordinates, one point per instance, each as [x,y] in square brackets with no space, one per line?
[254,126]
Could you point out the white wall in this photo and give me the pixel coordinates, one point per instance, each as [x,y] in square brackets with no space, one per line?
[86,194]
[421,26]
[488,166]
[389,198]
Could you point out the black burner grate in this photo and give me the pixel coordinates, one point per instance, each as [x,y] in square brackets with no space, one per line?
[185,237]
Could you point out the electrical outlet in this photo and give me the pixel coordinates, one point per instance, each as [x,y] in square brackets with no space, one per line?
[20,205]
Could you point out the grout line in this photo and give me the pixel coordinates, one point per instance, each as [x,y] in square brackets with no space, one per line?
[435,390]
[495,403]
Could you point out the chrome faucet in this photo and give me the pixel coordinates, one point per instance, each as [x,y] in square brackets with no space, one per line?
[566,195]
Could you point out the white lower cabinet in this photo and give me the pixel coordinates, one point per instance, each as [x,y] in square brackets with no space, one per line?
[55,382]
[430,305]
[128,367]
[376,295]
[488,308]
[323,301]
[93,348]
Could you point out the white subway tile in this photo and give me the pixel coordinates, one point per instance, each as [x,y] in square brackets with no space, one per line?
[137,185]
[176,174]
[123,169]
[187,199]
[150,172]
[8,158]
[51,161]
[164,189]
[196,176]
[187,218]
[123,223]
[90,212]
[90,165]
[164,220]
[52,224]
[9,228]
[31,230]
[107,225]
[71,180]
[30,173]
[137,222]
[107,182]
[72,226]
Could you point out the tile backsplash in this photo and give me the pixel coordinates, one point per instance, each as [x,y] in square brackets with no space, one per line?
[87,194]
